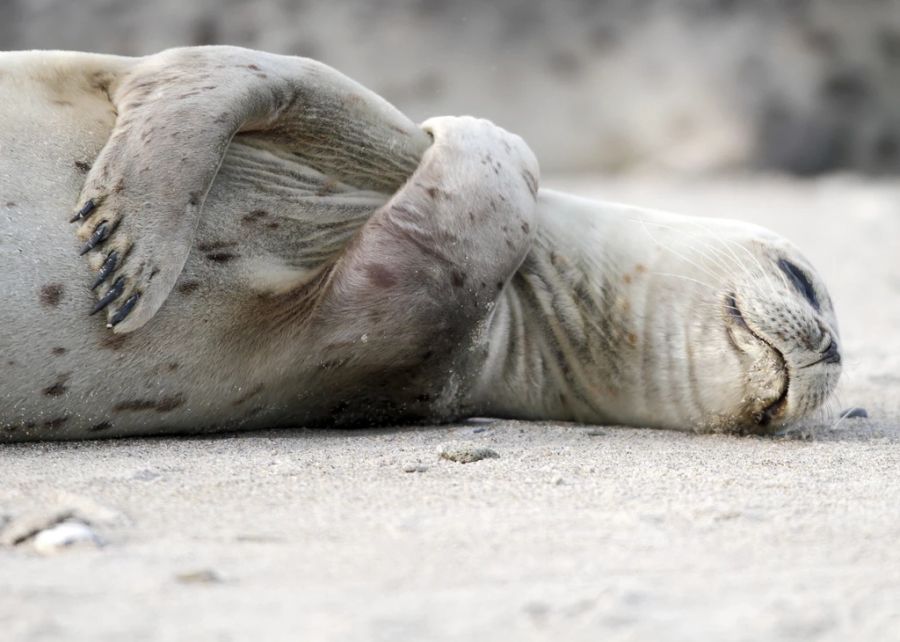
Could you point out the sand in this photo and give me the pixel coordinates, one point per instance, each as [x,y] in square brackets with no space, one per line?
[572,533]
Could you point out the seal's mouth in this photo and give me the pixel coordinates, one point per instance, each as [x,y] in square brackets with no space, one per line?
[765,416]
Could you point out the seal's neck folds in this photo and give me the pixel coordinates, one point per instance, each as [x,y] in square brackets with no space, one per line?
[570,336]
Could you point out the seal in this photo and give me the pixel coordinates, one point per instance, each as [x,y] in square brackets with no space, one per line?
[271,244]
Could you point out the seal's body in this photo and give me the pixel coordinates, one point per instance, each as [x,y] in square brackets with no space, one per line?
[274,245]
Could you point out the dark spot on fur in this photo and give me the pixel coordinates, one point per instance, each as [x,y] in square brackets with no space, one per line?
[166,404]
[221,257]
[62,103]
[10,204]
[100,81]
[215,245]
[433,192]
[380,275]
[248,395]
[194,199]
[120,186]
[56,390]
[457,278]
[153,273]
[188,287]
[253,67]
[100,427]
[526,227]
[172,367]
[56,422]
[58,350]
[51,294]
[114,341]
[632,339]
[273,225]
[254,216]
[531,182]
[82,167]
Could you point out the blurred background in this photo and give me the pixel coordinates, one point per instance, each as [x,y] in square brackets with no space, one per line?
[805,87]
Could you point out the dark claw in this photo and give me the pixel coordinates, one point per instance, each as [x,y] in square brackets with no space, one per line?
[111,295]
[108,267]
[101,233]
[84,212]
[122,312]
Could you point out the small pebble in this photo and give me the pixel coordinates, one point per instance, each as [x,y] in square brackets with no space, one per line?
[64,535]
[466,454]
[202,576]
[855,413]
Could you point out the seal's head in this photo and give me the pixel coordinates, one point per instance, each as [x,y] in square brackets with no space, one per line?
[752,324]
[678,322]
[780,322]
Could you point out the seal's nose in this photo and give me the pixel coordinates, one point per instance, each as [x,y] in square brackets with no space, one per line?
[831,354]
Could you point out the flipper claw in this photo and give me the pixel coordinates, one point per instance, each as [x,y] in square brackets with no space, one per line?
[122,312]
[84,212]
[101,233]
[108,267]
[111,295]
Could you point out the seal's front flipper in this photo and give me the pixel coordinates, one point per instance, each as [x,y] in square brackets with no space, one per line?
[177,113]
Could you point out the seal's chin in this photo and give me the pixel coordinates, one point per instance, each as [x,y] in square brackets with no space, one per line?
[768,374]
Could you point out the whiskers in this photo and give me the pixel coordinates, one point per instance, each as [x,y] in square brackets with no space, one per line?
[718,261]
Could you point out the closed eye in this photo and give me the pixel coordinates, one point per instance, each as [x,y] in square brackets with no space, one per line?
[800,280]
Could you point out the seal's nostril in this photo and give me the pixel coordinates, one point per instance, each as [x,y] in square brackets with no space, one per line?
[831,354]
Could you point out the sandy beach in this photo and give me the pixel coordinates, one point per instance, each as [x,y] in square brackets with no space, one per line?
[571,533]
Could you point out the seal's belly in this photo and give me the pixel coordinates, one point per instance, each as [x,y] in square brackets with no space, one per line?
[203,363]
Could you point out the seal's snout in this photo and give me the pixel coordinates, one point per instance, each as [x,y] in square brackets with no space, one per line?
[783,325]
